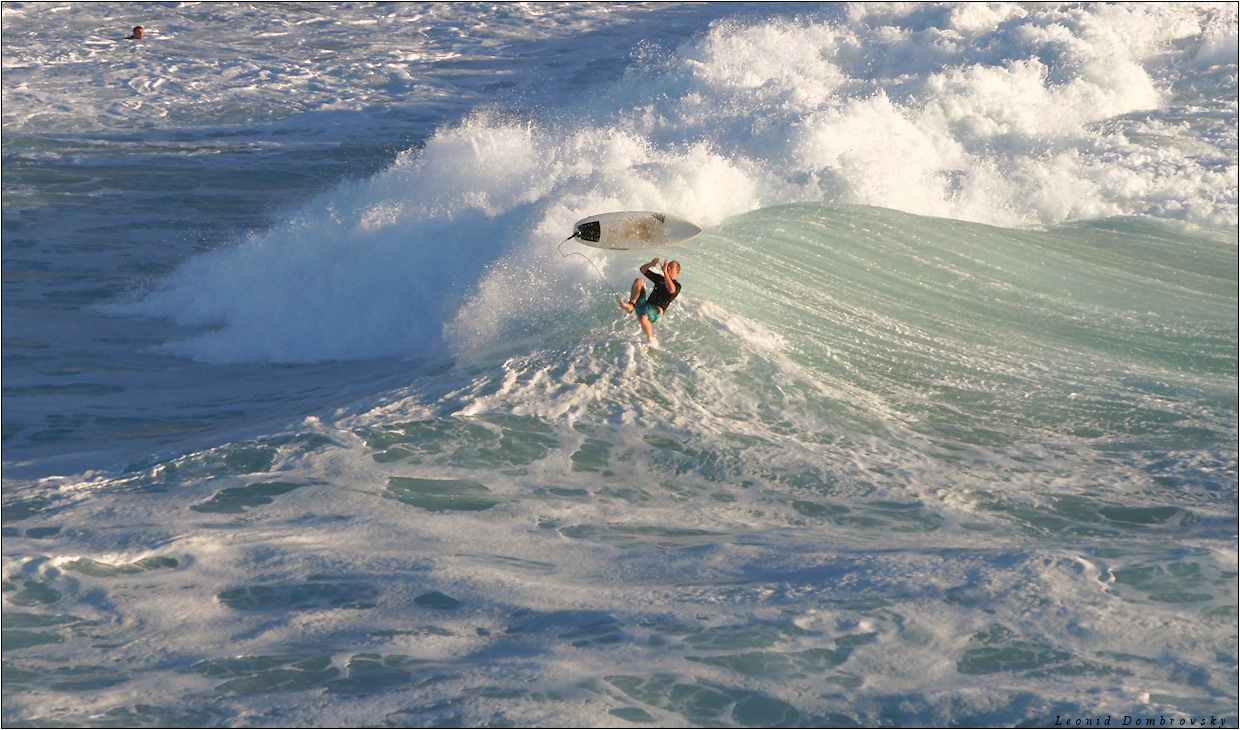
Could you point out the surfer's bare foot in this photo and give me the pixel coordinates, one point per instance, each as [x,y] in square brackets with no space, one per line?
[626,306]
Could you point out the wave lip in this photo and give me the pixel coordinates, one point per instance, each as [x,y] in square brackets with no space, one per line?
[1006,116]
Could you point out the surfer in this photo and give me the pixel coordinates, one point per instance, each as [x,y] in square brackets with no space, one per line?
[649,309]
[137,34]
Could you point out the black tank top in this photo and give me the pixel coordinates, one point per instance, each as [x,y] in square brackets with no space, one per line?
[661,297]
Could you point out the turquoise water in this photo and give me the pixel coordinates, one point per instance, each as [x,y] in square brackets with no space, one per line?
[308,423]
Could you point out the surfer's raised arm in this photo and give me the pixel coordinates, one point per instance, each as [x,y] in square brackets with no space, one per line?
[646,267]
[666,279]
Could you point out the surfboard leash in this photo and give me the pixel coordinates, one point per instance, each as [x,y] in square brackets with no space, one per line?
[588,260]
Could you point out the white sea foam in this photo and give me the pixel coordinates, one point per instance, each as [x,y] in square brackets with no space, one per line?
[882,469]
[204,64]
[1017,116]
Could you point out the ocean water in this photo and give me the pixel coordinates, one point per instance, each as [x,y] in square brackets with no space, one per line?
[308,422]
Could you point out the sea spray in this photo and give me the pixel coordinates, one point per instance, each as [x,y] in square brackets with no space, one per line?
[1029,127]
[971,461]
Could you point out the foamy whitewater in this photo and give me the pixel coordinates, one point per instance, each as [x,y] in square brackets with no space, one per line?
[307,422]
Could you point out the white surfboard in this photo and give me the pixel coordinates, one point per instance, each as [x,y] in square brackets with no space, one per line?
[634,229]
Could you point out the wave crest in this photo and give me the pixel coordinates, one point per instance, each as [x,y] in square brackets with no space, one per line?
[1001,115]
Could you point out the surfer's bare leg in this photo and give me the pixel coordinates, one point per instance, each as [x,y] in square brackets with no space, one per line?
[636,292]
[645,323]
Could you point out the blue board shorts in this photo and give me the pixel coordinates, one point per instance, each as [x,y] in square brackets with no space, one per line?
[641,306]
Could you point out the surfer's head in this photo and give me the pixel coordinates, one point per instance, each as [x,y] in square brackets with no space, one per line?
[137,34]
[672,269]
